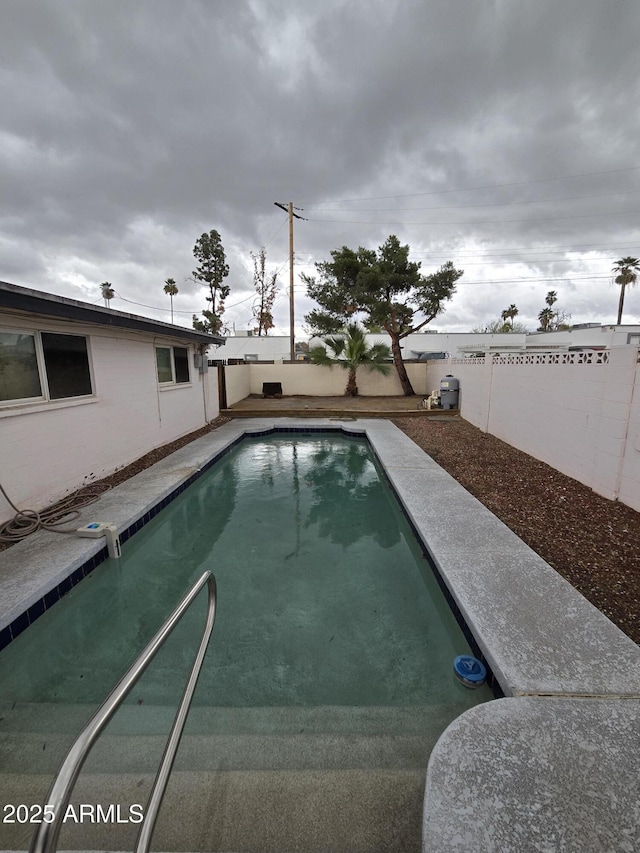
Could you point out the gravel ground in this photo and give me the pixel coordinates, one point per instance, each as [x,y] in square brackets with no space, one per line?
[593,542]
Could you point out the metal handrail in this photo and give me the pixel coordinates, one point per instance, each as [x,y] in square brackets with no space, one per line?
[45,839]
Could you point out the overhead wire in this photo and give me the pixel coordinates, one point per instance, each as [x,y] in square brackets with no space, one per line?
[481,222]
[309,205]
[482,204]
[165,310]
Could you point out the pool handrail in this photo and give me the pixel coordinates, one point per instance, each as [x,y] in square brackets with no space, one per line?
[45,839]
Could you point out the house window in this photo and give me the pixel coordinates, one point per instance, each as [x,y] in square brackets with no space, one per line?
[163,362]
[173,365]
[67,363]
[181,363]
[43,366]
[19,374]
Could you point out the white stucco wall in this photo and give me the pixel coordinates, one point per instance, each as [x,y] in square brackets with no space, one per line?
[49,449]
[630,463]
[581,418]
[302,379]
[238,381]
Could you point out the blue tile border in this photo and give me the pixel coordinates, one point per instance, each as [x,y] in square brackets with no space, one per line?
[492,681]
[15,628]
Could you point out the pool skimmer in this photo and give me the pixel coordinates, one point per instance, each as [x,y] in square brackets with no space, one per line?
[97,529]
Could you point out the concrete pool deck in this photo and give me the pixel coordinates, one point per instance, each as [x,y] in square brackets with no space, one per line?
[554,765]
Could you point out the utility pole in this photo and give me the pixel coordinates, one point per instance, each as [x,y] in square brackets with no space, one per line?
[289,209]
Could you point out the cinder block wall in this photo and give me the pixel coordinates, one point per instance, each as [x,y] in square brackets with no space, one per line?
[579,412]
[303,379]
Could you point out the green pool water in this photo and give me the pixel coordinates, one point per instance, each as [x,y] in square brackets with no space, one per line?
[324,596]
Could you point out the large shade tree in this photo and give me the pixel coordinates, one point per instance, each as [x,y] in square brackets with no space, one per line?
[351,351]
[384,289]
[627,269]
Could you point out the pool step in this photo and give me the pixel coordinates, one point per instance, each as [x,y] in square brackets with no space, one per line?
[142,753]
[263,811]
[244,739]
[260,779]
[157,719]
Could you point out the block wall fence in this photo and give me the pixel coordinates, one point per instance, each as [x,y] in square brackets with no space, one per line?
[311,380]
[577,411]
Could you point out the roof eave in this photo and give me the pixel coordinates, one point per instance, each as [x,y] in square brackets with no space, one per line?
[48,304]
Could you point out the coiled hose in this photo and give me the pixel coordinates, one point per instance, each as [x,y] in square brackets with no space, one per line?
[27,521]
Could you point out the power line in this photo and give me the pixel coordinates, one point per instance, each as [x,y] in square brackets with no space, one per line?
[482,222]
[152,307]
[542,278]
[480,187]
[590,247]
[484,204]
[500,262]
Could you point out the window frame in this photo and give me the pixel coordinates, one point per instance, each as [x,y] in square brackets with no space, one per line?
[173,382]
[45,397]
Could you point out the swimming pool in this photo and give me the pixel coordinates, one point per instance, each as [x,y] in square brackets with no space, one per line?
[325,596]
[314,778]
[329,674]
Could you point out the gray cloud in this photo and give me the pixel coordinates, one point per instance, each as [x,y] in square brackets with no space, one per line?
[128,129]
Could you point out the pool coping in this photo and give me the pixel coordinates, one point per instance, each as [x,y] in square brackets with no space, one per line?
[544,642]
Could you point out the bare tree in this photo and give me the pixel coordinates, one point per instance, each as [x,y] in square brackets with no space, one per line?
[266,288]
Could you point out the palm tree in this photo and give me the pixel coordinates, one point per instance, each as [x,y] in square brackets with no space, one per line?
[107,292]
[510,314]
[546,318]
[171,289]
[350,351]
[627,269]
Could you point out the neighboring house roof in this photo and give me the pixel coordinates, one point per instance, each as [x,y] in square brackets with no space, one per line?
[17,298]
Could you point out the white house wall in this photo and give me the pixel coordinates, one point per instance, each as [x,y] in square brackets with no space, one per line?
[597,336]
[49,449]
[268,348]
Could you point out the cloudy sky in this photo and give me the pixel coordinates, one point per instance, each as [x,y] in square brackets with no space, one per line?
[498,134]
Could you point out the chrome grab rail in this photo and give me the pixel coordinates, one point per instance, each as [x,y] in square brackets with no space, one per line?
[45,839]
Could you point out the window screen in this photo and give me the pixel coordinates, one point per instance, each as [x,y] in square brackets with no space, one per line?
[163,362]
[19,377]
